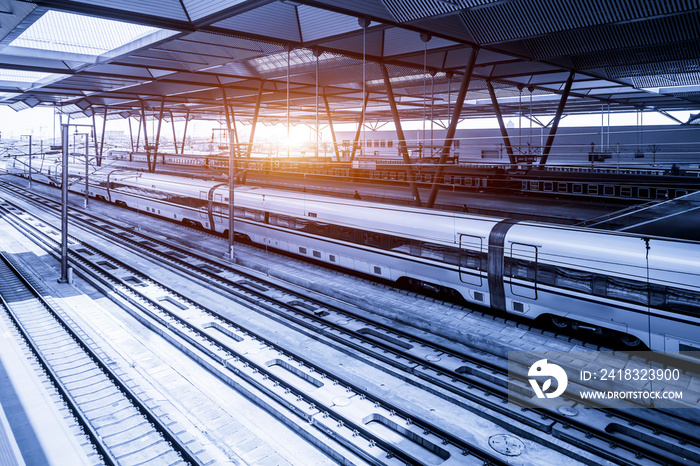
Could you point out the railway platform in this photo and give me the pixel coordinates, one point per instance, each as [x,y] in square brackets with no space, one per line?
[33,430]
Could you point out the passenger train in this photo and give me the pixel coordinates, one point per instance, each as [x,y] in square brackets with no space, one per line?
[642,290]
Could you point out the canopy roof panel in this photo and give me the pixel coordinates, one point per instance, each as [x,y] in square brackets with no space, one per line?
[626,55]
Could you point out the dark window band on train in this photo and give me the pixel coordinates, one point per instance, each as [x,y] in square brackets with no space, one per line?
[630,291]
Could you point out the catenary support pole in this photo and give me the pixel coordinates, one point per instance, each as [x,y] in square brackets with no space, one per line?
[231,208]
[64,204]
[87,173]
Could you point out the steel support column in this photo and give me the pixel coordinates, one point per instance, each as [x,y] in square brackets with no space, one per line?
[160,121]
[138,132]
[501,124]
[330,125]
[403,149]
[172,121]
[359,126]
[145,140]
[258,102]
[557,118]
[231,226]
[98,157]
[452,129]
[184,132]
[131,135]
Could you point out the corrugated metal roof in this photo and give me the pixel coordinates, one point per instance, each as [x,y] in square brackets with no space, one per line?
[198,9]
[170,9]
[527,42]
[276,20]
[507,21]
[318,24]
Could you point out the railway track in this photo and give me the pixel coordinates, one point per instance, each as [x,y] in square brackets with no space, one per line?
[120,427]
[372,430]
[476,382]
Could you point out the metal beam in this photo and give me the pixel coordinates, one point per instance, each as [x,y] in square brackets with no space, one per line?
[359,127]
[557,117]
[330,125]
[102,140]
[452,129]
[501,124]
[399,132]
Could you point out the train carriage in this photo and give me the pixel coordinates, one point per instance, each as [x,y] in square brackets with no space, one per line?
[645,290]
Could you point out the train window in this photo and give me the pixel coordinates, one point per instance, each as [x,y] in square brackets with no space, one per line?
[400,244]
[299,223]
[317,254]
[331,257]
[377,270]
[250,214]
[318,228]
[627,290]
[302,250]
[345,233]
[682,300]
[390,143]
[432,251]
[522,269]
[470,259]
[451,255]
[571,279]
[280,220]
[371,238]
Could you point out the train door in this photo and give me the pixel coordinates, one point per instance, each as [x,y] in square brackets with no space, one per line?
[470,259]
[523,267]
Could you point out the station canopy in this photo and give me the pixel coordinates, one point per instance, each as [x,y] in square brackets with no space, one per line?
[303,60]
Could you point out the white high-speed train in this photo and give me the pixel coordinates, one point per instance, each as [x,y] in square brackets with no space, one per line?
[643,290]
